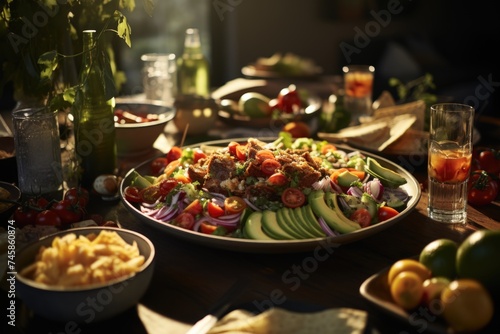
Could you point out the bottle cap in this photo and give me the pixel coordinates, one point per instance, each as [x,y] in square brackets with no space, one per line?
[192,38]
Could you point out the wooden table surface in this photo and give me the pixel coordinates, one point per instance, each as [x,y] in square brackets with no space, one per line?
[190,278]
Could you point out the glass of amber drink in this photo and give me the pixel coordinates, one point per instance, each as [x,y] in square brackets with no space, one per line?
[450,154]
[358,86]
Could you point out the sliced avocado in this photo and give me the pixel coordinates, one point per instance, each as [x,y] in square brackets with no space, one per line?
[140,181]
[395,203]
[370,204]
[288,226]
[254,105]
[345,179]
[272,228]
[339,223]
[312,223]
[303,229]
[387,176]
[253,227]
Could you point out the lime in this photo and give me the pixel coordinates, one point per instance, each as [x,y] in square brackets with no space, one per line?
[477,258]
[440,257]
[467,305]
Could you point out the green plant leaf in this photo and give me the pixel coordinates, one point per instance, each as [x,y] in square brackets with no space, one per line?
[123,28]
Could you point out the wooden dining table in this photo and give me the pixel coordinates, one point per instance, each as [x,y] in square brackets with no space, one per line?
[190,278]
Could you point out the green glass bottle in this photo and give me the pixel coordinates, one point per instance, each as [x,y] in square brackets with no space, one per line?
[93,112]
[193,69]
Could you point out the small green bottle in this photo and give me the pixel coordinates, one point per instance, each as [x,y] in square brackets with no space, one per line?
[193,69]
[93,112]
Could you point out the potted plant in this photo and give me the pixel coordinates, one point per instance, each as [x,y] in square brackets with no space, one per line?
[40,42]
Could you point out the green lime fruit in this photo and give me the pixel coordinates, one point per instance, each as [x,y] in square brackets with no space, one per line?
[254,105]
[439,256]
[477,258]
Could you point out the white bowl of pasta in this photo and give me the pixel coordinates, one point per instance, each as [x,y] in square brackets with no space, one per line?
[84,275]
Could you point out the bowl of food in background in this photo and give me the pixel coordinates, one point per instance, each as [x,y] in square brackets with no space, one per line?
[138,125]
[10,195]
[111,266]
[8,163]
[195,114]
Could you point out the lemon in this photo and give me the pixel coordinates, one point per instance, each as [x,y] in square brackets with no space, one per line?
[408,265]
[407,290]
[467,305]
[440,257]
[477,258]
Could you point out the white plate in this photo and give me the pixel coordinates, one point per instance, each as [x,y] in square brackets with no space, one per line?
[278,246]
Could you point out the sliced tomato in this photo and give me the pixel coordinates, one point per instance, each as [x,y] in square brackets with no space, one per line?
[241,152]
[269,166]
[207,228]
[293,197]
[277,179]
[361,216]
[131,194]
[150,194]
[174,153]
[386,212]
[264,154]
[167,185]
[194,208]
[214,210]
[158,165]
[185,220]
[234,204]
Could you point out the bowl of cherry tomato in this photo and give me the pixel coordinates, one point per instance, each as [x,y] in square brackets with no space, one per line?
[138,125]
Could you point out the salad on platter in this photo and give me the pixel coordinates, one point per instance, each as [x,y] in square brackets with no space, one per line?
[287,189]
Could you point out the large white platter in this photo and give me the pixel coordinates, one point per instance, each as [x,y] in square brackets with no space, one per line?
[278,246]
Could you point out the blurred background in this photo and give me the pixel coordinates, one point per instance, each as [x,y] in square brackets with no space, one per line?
[455,42]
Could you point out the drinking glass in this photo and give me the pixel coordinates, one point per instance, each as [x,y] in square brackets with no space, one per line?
[38,152]
[160,76]
[450,154]
[358,86]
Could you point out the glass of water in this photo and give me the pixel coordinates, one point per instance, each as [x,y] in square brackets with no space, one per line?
[160,77]
[450,154]
[38,152]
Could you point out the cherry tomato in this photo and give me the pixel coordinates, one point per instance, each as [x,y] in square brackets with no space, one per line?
[48,217]
[207,228]
[234,204]
[150,194]
[39,202]
[361,216]
[386,212]
[167,185]
[482,189]
[158,165]
[489,160]
[198,154]
[269,166]
[214,210]
[232,147]
[185,220]
[262,155]
[277,179]
[174,153]
[131,194]
[24,215]
[194,208]
[78,196]
[293,197]
[289,100]
[68,212]
[241,152]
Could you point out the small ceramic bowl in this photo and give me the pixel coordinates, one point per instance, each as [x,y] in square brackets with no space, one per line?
[133,139]
[66,304]
[195,113]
